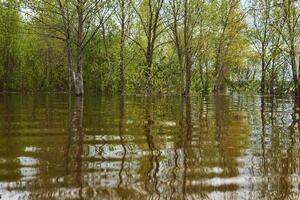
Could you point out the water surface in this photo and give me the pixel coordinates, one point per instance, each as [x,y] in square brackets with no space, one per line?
[111,147]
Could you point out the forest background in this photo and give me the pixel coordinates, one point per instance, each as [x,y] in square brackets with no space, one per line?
[150,46]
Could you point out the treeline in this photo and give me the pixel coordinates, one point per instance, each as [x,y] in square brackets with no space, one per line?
[150,46]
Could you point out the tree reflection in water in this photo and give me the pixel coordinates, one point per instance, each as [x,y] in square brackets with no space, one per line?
[210,147]
[121,133]
[279,166]
[74,150]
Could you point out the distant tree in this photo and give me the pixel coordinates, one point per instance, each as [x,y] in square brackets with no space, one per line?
[149,16]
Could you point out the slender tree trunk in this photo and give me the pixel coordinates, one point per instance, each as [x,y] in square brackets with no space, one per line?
[148,74]
[222,50]
[180,56]
[107,58]
[206,87]
[262,83]
[263,71]
[180,60]
[291,26]
[177,41]
[66,24]
[71,72]
[187,47]
[150,28]
[79,89]
[122,47]
[149,50]
[294,68]
[149,58]
[272,91]
[78,84]
[218,82]
[202,76]
[201,57]
[219,66]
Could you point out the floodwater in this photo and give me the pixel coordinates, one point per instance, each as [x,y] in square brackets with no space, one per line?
[111,147]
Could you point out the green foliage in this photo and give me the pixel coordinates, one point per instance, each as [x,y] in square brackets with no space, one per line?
[33,54]
[9,43]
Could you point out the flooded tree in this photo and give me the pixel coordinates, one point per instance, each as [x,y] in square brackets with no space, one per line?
[150,46]
[150,18]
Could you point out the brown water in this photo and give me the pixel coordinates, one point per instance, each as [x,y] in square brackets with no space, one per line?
[211,147]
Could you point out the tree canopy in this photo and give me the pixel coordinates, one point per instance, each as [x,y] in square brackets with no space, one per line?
[150,46]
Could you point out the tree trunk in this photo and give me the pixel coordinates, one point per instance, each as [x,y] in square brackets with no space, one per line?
[149,50]
[219,76]
[263,71]
[218,83]
[66,24]
[272,91]
[262,83]
[71,76]
[294,70]
[148,75]
[149,59]
[79,88]
[107,59]
[219,67]
[122,46]
[78,83]
[292,41]
[177,41]
[206,87]
[187,48]
[180,57]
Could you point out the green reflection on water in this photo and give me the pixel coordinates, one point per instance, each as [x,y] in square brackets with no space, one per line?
[131,147]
